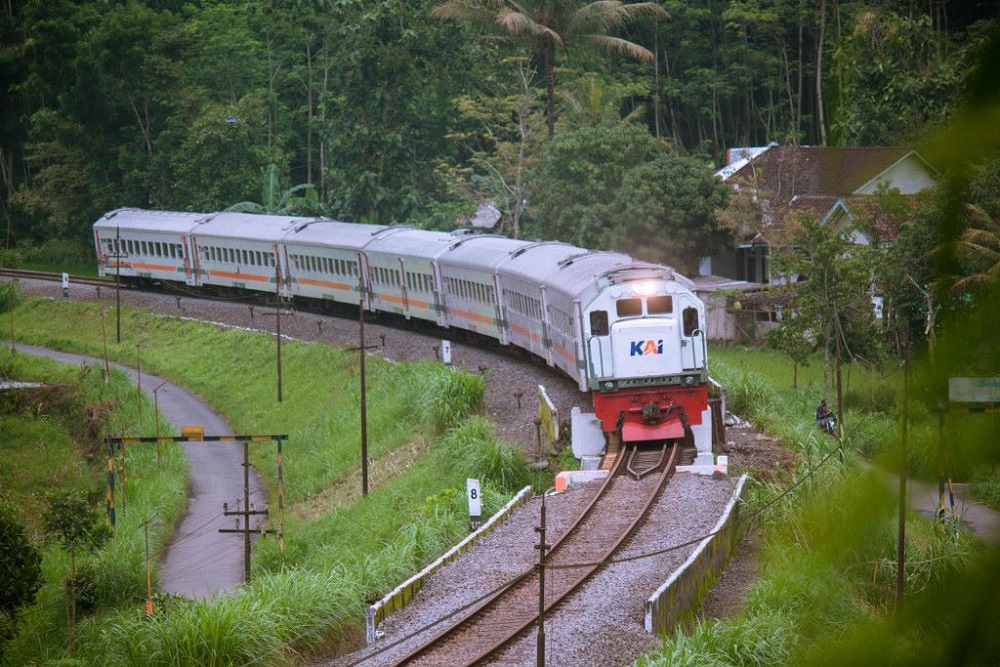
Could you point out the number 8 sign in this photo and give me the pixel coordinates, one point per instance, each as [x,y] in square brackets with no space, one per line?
[475,503]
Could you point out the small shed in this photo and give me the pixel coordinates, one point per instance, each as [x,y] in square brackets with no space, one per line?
[736,310]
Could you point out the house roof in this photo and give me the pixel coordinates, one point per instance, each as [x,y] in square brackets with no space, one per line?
[817,171]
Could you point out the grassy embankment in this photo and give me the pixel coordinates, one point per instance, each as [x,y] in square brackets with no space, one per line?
[826,590]
[425,438]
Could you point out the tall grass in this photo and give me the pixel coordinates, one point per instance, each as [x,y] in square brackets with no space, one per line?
[58,446]
[339,551]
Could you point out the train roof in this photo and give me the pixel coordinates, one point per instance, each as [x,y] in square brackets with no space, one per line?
[534,262]
[247,226]
[411,242]
[587,270]
[146,221]
[322,231]
[478,251]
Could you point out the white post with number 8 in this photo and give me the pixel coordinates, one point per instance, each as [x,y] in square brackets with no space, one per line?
[475,503]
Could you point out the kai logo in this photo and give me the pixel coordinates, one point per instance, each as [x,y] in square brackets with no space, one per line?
[641,348]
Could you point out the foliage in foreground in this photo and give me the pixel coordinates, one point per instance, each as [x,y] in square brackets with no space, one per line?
[829,571]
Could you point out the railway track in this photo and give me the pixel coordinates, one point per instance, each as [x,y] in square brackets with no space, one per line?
[619,507]
[24,274]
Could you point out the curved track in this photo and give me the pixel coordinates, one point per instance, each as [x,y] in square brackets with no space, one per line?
[485,628]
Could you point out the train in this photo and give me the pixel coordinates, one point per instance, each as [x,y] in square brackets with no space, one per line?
[630,333]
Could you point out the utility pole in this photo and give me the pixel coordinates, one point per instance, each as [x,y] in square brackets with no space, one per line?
[901,539]
[149,578]
[364,407]
[542,549]
[277,301]
[245,513]
[118,291]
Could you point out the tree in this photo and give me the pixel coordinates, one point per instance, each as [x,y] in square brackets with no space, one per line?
[500,128]
[548,26]
[831,298]
[20,570]
[664,212]
[73,524]
[579,176]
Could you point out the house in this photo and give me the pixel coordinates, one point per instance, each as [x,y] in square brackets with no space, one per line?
[833,185]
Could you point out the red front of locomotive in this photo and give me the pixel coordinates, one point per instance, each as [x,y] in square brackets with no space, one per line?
[646,361]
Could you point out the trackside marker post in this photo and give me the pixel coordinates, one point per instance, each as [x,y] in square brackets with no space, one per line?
[475,504]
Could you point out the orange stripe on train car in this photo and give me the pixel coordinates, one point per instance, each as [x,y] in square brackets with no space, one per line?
[525,332]
[325,283]
[414,303]
[156,267]
[475,317]
[239,276]
[565,354]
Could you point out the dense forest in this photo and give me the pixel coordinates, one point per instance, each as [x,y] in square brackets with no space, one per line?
[589,122]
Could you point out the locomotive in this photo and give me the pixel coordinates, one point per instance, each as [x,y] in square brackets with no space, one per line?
[630,333]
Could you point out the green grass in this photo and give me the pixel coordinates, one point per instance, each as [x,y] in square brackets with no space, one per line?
[51,445]
[340,550]
[75,258]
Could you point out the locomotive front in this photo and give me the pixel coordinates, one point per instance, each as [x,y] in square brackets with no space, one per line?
[646,357]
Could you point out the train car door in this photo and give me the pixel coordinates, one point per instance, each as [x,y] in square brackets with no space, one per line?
[503,326]
[282,275]
[367,294]
[693,343]
[404,293]
[192,263]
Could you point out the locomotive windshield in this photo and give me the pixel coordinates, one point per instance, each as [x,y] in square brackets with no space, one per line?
[655,305]
[659,305]
[629,307]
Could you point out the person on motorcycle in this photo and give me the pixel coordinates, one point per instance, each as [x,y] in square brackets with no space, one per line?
[824,417]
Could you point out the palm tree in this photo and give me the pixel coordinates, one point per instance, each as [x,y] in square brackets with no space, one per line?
[978,250]
[548,25]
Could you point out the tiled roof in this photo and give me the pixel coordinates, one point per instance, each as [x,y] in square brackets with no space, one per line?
[817,171]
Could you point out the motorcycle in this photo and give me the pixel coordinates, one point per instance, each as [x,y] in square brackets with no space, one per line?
[828,424]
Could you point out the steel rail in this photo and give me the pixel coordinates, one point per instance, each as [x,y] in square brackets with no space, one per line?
[512,620]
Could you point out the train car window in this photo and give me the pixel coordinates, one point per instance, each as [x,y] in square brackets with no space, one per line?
[659,305]
[629,307]
[599,323]
[690,317]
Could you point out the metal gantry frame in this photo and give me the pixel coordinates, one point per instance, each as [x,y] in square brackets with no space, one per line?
[196,434]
